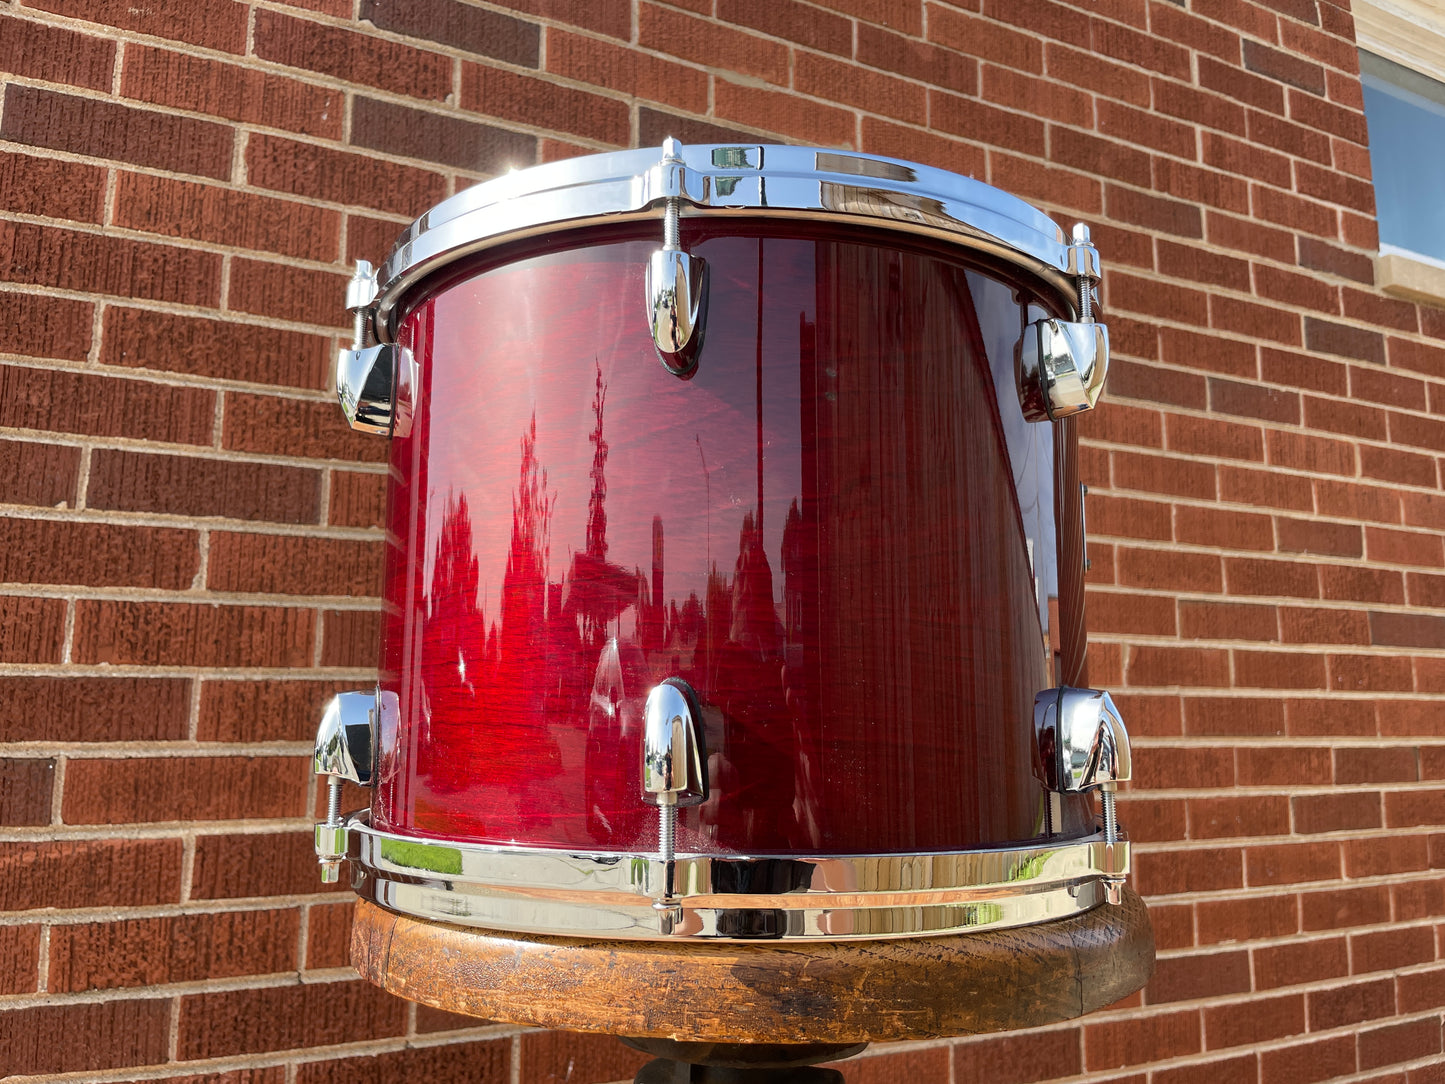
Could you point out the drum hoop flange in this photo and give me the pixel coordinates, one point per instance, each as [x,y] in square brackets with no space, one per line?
[632,186]
[730,898]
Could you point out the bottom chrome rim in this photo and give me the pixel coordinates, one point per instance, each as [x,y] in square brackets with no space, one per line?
[730,898]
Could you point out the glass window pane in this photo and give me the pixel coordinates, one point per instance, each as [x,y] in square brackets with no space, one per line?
[1406,114]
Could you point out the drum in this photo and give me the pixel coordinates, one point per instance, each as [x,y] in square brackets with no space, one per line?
[734,582]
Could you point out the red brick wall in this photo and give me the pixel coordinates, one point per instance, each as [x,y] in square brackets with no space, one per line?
[190,561]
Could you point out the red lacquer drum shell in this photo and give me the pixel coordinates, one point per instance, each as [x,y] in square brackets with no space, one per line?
[734,582]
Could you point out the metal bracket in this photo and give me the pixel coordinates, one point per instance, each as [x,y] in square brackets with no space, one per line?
[345,750]
[676,284]
[1084,746]
[674,772]
[1062,364]
[374,381]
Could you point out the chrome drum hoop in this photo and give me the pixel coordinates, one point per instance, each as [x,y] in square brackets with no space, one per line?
[839,898]
[742,180]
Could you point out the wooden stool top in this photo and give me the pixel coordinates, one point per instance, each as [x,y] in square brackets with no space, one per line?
[766,992]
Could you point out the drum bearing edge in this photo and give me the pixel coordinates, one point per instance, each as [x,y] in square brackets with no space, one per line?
[729,898]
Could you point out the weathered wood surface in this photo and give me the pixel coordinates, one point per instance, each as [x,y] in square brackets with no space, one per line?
[841,992]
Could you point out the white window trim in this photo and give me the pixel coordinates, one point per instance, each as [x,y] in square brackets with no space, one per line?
[1411,33]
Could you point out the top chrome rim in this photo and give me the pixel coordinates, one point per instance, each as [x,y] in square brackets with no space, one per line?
[749,180]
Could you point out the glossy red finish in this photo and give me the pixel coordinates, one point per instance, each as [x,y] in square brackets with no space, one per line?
[840,532]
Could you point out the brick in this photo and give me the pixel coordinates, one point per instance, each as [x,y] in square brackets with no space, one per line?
[1301,371]
[558,1057]
[262,711]
[1010,1058]
[94,709]
[1232,817]
[1161,474]
[1420,357]
[1292,863]
[1389,950]
[95,263]
[1294,139]
[41,186]
[350,638]
[810,27]
[1353,501]
[103,129]
[369,238]
[1318,625]
[1370,673]
[1340,908]
[1097,156]
[90,873]
[1320,255]
[1221,621]
[1247,918]
[19,959]
[294,564]
[341,53]
[357,499]
[1300,962]
[1142,614]
[1345,1005]
[1179,571]
[436,137]
[1389,764]
[1399,1042]
[985,39]
[1425,590]
[619,68]
[205,212]
[1407,629]
[905,18]
[1301,451]
[1042,17]
[117,1034]
[181,948]
[1242,86]
[1257,1020]
[1208,436]
[486,1062]
[233,1022]
[169,342]
[190,486]
[1252,576]
[712,44]
[1354,584]
[1409,808]
[285,292]
[1196,33]
[987,124]
[1133,1041]
[36,50]
[1243,716]
[1252,235]
[1305,1063]
[446,22]
[1330,717]
[612,20]
[31,629]
[212,24]
[1284,67]
[905,56]
[218,89]
[96,554]
[1154,821]
[781,111]
[26,784]
[38,474]
[1250,160]
[237,866]
[1383,387]
[125,632]
[655,125]
[270,425]
[1423,509]
[183,789]
[1421,990]
[1390,465]
[525,100]
[1048,100]
[1204,767]
[1241,1070]
[321,173]
[1421,432]
[1352,810]
[1254,401]
[328,936]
